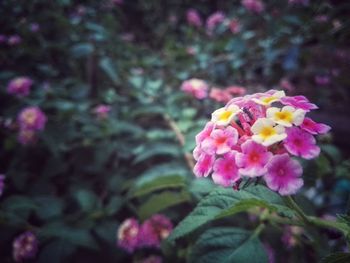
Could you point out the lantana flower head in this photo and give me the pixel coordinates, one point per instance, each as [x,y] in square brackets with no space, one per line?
[255,6]
[128,235]
[154,230]
[20,86]
[259,135]
[32,118]
[25,246]
[196,87]
[193,18]
[214,20]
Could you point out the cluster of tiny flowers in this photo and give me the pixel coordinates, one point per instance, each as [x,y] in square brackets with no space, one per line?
[2,183]
[193,18]
[255,6]
[252,137]
[131,235]
[25,247]
[225,95]
[30,120]
[20,86]
[196,87]
[214,20]
[101,111]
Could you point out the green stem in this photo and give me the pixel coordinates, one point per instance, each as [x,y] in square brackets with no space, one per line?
[315,220]
[258,230]
[292,204]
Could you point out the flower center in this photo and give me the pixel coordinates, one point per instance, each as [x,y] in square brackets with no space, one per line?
[29,117]
[254,157]
[267,132]
[225,115]
[268,99]
[284,116]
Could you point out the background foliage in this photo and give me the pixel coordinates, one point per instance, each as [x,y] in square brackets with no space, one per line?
[85,175]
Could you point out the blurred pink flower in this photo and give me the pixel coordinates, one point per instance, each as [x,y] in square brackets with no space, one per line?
[154,230]
[128,235]
[191,51]
[322,80]
[214,20]
[290,234]
[14,40]
[34,27]
[195,87]
[236,90]
[193,18]
[235,26]
[127,37]
[220,95]
[286,85]
[102,111]
[252,159]
[25,246]
[255,6]
[225,171]
[31,118]
[321,18]
[20,86]
[270,253]
[284,175]
[26,137]
[301,143]
[313,127]
[3,39]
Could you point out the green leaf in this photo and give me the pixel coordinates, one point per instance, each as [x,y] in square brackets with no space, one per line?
[114,205]
[159,202]
[48,207]
[78,236]
[86,199]
[228,245]
[145,152]
[108,67]
[82,50]
[56,251]
[157,184]
[161,170]
[226,202]
[338,257]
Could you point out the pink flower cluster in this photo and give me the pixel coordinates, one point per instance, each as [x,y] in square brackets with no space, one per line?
[132,235]
[193,18]
[25,247]
[214,20]
[255,6]
[20,86]
[30,120]
[225,95]
[101,111]
[257,136]
[196,87]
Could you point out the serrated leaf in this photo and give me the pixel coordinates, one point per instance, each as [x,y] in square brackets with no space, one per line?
[156,185]
[228,245]
[338,257]
[159,202]
[226,202]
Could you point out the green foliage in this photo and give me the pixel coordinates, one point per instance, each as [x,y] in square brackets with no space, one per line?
[227,202]
[228,245]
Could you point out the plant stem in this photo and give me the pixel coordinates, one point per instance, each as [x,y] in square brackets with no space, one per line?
[292,204]
[315,220]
